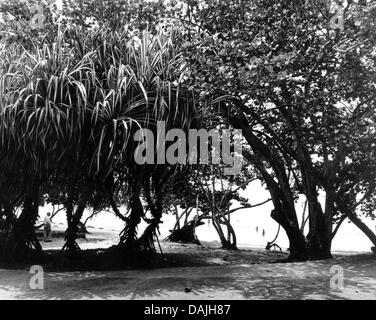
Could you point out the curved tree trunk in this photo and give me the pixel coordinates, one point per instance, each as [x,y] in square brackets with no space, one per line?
[298,248]
[129,234]
[284,211]
[231,242]
[338,226]
[220,232]
[185,214]
[363,227]
[272,243]
[73,224]
[128,237]
[146,241]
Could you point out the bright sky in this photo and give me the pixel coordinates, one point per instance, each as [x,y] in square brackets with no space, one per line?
[59,4]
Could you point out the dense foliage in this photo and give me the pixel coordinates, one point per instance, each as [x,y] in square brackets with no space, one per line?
[297,77]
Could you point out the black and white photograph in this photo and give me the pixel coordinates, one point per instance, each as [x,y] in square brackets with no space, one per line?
[189,154]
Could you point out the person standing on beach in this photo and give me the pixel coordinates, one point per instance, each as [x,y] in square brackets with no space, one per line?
[47,227]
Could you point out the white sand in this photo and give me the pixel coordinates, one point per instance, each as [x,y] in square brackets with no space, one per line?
[309,280]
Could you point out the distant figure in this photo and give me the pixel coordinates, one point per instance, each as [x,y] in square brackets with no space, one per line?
[263,232]
[257,229]
[47,227]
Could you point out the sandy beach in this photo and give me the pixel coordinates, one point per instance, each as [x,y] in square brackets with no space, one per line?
[208,273]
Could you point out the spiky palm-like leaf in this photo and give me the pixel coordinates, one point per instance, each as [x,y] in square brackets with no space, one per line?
[68,110]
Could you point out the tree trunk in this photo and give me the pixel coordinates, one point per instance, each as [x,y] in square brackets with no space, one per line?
[23,229]
[281,193]
[363,227]
[231,242]
[298,247]
[72,230]
[220,233]
[128,237]
[319,238]
[73,222]
[146,241]
[177,224]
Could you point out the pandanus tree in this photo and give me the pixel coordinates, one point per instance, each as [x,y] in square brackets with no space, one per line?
[68,116]
[42,124]
[143,81]
[19,183]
